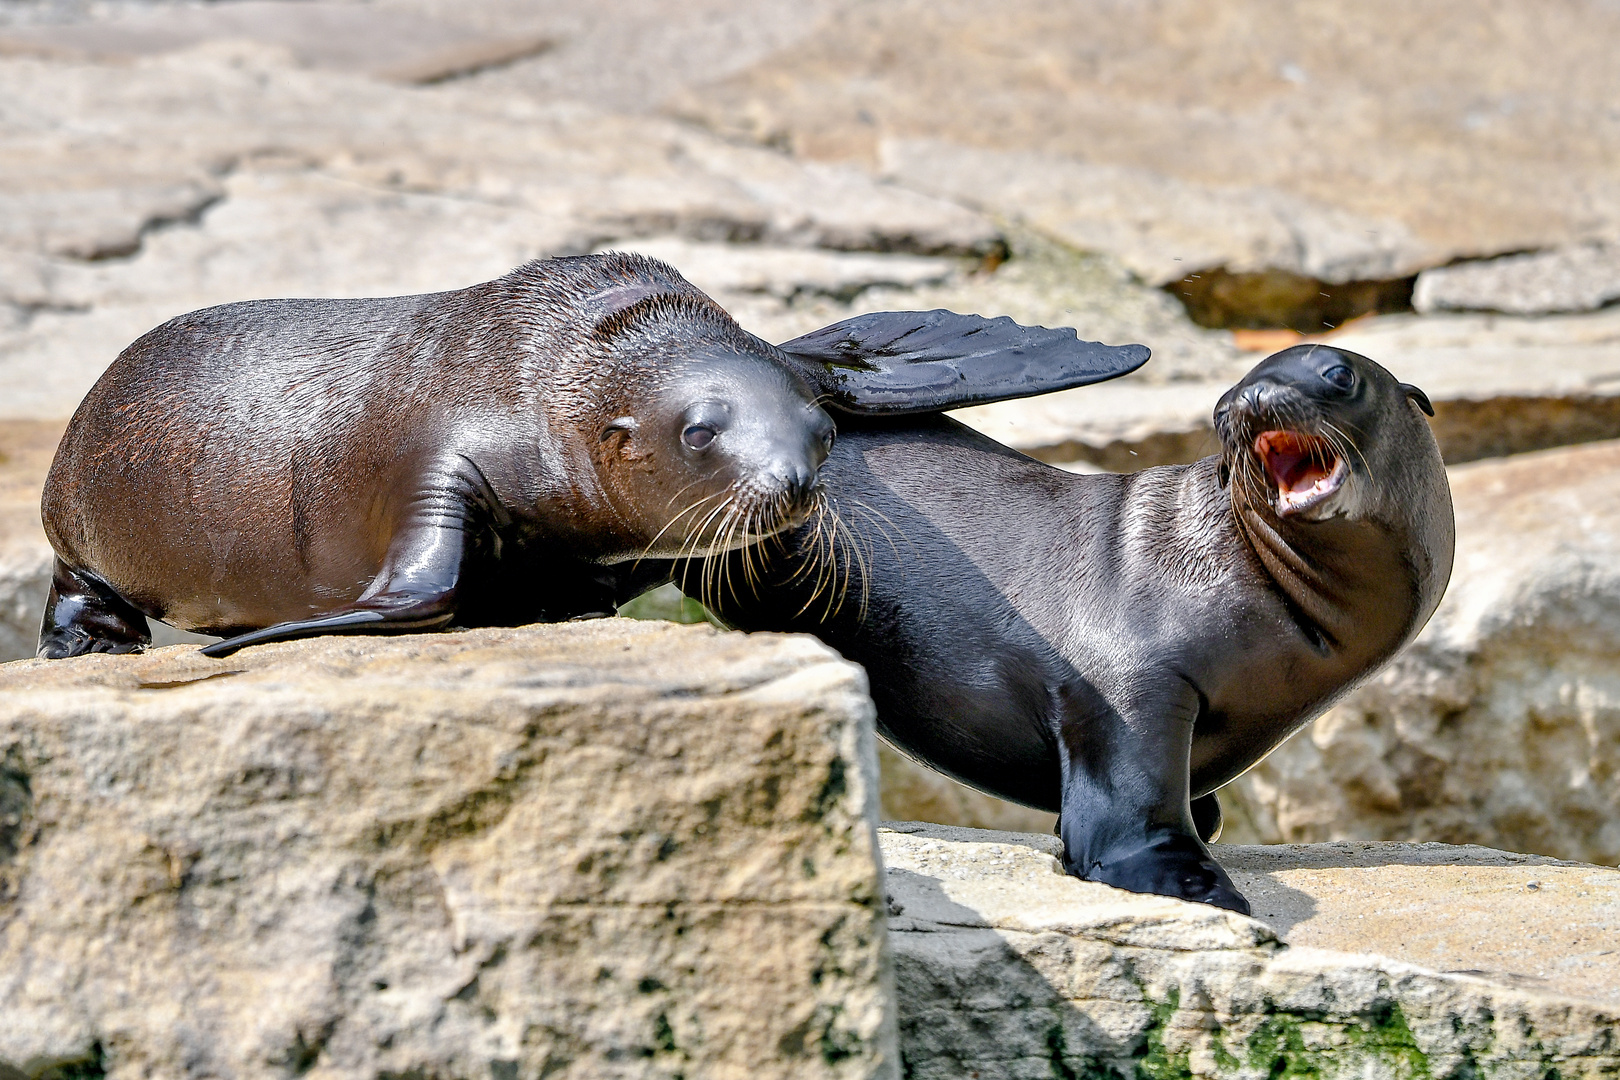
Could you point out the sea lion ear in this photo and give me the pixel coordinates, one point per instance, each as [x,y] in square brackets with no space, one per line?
[616,298]
[895,362]
[1418,396]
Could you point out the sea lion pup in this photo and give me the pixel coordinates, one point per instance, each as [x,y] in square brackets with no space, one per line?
[282,468]
[1116,647]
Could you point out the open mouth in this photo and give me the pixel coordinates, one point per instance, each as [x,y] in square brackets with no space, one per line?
[1304,468]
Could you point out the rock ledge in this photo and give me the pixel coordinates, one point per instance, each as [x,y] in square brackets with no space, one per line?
[600,850]
[1005,967]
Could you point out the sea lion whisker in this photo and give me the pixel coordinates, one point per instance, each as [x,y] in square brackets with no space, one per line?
[837,581]
[671,524]
[812,542]
[684,488]
[878,518]
[724,558]
[817,561]
[752,570]
[855,551]
[1352,444]
[707,562]
[689,550]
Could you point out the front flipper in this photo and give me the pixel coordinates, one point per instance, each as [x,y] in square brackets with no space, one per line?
[1126,819]
[895,362]
[415,591]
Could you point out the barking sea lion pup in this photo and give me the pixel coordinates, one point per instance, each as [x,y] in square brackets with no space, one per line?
[283,468]
[1116,647]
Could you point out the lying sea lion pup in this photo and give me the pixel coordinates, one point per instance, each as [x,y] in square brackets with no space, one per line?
[283,468]
[1114,648]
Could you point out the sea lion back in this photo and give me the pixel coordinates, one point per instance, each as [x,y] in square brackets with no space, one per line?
[249,405]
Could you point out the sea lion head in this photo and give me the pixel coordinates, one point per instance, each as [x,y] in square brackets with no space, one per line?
[1314,433]
[1339,490]
[708,440]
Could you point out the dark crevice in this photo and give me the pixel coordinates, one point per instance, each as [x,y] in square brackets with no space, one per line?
[1283,300]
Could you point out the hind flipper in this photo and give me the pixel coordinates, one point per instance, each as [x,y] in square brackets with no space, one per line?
[388,614]
[84,615]
[415,591]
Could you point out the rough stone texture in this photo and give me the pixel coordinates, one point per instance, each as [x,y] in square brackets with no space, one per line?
[787,273]
[1582,277]
[1160,228]
[389,44]
[1479,129]
[1006,967]
[611,849]
[132,193]
[1500,725]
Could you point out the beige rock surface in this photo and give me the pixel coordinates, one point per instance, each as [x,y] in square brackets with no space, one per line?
[1479,130]
[1500,725]
[132,193]
[395,44]
[1521,920]
[1579,277]
[1006,967]
[607,849]
[1160,228]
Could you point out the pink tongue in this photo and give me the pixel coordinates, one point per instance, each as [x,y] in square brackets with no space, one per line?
[1290,460]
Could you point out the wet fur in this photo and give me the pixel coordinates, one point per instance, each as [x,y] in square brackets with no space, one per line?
[252,464]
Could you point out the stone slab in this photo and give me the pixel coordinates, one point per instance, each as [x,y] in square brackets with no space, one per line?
[81,135]
[1580,277]
[726,270]
[609,849]
[1160,228]
[132,193]
[1518,920]
[1478,131]
[394,44]
[1500,724]
[1006,967]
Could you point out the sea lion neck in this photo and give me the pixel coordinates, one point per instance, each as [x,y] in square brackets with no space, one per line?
[1348,582]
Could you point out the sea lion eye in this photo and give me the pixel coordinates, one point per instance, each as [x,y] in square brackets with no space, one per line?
[827,439]
[698,436]
[1339,377]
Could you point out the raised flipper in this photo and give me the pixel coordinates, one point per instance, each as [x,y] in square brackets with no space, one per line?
[415,591]
[84,615]
[895,362]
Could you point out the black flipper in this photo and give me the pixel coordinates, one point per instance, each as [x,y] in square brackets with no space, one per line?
[894,362]
[84,615]
[415,591]
[379,615]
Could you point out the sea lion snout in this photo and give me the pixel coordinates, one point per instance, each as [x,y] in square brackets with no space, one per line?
[1288,429]
[738,441]
[778,462]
